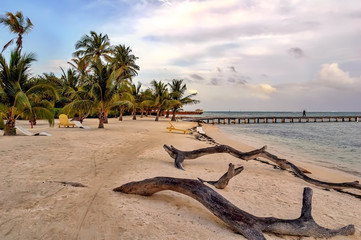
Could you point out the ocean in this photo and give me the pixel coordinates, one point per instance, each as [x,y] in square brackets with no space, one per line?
[335,145]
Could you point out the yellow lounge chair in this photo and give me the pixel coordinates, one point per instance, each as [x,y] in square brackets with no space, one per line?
[172,128]
[64,121]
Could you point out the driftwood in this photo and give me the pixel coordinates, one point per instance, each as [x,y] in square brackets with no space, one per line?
[179,156]
[250,226]
[224,180]
[73,184]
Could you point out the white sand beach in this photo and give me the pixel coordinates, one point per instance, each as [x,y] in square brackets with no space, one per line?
[35,205]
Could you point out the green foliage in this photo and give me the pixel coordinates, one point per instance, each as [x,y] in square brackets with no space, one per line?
[17,24]
[1,124]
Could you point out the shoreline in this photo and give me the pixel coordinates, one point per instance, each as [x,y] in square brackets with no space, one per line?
[318,170]
[35,204]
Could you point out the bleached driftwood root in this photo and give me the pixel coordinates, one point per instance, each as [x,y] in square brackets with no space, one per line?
[224,180]
[250,226]
[179,156]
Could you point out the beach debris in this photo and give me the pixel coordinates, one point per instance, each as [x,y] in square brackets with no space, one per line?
[250,226]
[179,156]
[73,184]
[224,180]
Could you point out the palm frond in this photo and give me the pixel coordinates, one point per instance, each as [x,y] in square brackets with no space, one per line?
[44,113]
[21,101]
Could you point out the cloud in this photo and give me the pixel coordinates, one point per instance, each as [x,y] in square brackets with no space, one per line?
[331,75]
[262,91]
[232,68]
[296,52]
[215,81]
[196,76]
[239,79]
[191,91]
[53,66]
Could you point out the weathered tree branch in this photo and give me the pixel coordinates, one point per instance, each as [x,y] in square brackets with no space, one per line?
[250,226]
[73,184]
[179,156]
[224,180]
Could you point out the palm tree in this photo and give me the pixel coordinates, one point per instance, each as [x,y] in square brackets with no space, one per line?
[103,90]
[93,47]
[77,93]
[15,102]
[82,66]
[177,92]
[125,96]
[17,24]
[160,96]
[123,62]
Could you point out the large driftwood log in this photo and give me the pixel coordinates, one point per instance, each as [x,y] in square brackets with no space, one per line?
[224,180]
[179,156]
[250,226]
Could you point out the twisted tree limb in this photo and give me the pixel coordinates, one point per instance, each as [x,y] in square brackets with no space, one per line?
[179,156]
[224,180]
[248,225]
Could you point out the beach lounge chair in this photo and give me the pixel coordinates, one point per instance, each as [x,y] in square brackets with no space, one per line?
[27,133]
[64,121]
[79,125]
[200,130]
[172,128]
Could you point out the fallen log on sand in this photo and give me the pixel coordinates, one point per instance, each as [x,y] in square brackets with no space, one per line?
[250,226]
[179,156]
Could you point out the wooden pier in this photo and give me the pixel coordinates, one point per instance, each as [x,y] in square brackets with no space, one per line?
[278,119]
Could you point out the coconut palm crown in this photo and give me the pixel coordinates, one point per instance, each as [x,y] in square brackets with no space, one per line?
[177,92]
[17,24]
[93,47]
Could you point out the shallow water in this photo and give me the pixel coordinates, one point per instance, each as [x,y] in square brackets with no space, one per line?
[334,145]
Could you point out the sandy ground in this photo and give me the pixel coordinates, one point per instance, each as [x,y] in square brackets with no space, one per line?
[34,205]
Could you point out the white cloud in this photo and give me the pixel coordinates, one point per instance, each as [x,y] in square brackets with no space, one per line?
[332,76]
[262,91]
[191,91]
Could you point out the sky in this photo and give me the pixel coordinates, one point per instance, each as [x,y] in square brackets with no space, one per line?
[238,55]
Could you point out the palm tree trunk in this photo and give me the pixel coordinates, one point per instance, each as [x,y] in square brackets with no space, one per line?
[173,117]
[9,128]
[134,114]
[101,119]
[106,117]
[167,116]
[141,113]
[157,117]
[121,114]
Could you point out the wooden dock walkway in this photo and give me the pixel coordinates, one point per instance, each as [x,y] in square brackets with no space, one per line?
[268,119]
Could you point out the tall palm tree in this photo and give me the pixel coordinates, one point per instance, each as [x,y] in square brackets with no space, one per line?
[93,47]
[177,93]
[160,96]
[123,62]
[14,101]
[82,66]
[17,24]
[104,90]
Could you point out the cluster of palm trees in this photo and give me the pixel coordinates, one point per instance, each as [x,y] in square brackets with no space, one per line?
[98,80]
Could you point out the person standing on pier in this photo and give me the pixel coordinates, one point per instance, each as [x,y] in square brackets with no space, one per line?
[304,113]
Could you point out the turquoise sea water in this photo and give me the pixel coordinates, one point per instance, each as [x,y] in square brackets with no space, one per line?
[334,145]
